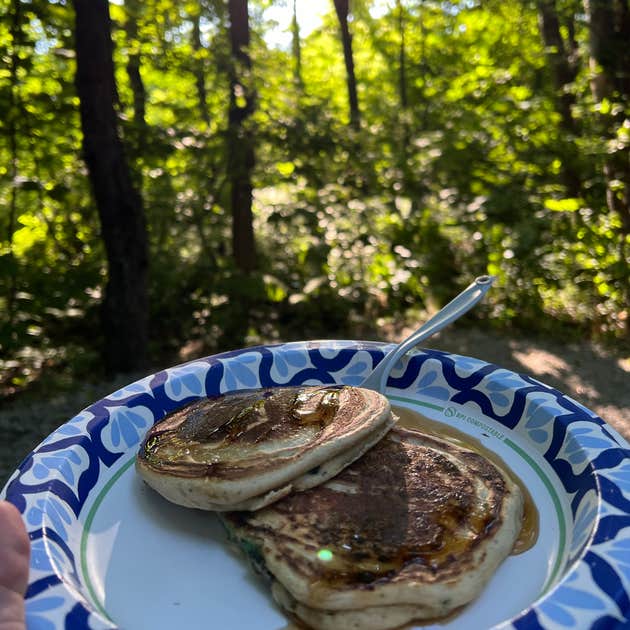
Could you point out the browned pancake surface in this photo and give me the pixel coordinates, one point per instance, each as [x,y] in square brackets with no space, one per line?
[410,510]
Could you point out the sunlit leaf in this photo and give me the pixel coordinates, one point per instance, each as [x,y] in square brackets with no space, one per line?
[563,205]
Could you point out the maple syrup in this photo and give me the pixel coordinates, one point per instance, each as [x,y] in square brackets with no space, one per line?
[530,528]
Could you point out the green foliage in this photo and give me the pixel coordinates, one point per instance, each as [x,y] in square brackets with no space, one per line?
[465,178]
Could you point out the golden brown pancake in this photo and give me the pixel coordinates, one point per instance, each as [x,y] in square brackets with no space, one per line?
[247,449]
[412,530]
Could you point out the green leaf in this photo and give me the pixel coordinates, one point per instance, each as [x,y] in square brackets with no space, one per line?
[605,107]
[285,168]
[570,204]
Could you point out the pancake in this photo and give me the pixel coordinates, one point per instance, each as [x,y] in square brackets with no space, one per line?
[411,531]
[244,450]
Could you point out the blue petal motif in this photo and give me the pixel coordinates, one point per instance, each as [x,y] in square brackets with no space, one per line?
[593,442]
[63,461]
[538,421]
[467,365]
[40,471]
[295,359]
[622,562]
[140,387]
[577,598]
[580,439]
[35,515]
[621,476]
[128,425]
[496,386]
[539,436]
[586,438]
[499,399]
[573,452]
[176,387]
[193,384]
[136,388]
[441,393]
[69,429]
[281,366]
[542,407]
[358,368]
[249,357]
[502,381]
[568,600]
[42,556]
[426,387]
[58,516]
[230,382]
[558,614]
[353,380]
[129,433]
[585,518]
[620,552]
[244,375]
[40,559]
[45,604]
[35,621]
[115,434]
[66,471]
[623,544]
[577,457]
[186,382]
[427,379]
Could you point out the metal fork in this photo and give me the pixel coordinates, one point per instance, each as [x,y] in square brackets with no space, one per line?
[459,305]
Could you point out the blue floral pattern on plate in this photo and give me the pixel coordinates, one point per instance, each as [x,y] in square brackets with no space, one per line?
[592,462]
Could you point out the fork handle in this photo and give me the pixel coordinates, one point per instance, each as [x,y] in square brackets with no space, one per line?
[459,305]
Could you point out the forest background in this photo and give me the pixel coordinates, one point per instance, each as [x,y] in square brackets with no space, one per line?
[179,178]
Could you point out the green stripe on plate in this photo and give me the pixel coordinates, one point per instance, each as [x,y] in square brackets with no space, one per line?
[86,532]
[417,403]
[562,533]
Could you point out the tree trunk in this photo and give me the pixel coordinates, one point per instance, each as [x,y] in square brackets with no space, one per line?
[241,158]
[296,49]
[563,75]
[198,66]
[11,119]
[609,32]
[562,72]
[342,8]
[125,305]
[133,69]
[609,35]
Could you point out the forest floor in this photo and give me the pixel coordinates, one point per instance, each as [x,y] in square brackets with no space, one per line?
[596,377]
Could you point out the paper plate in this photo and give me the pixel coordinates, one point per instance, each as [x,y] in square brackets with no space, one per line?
[108,552]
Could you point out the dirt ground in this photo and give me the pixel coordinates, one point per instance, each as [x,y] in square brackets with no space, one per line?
[598,379]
